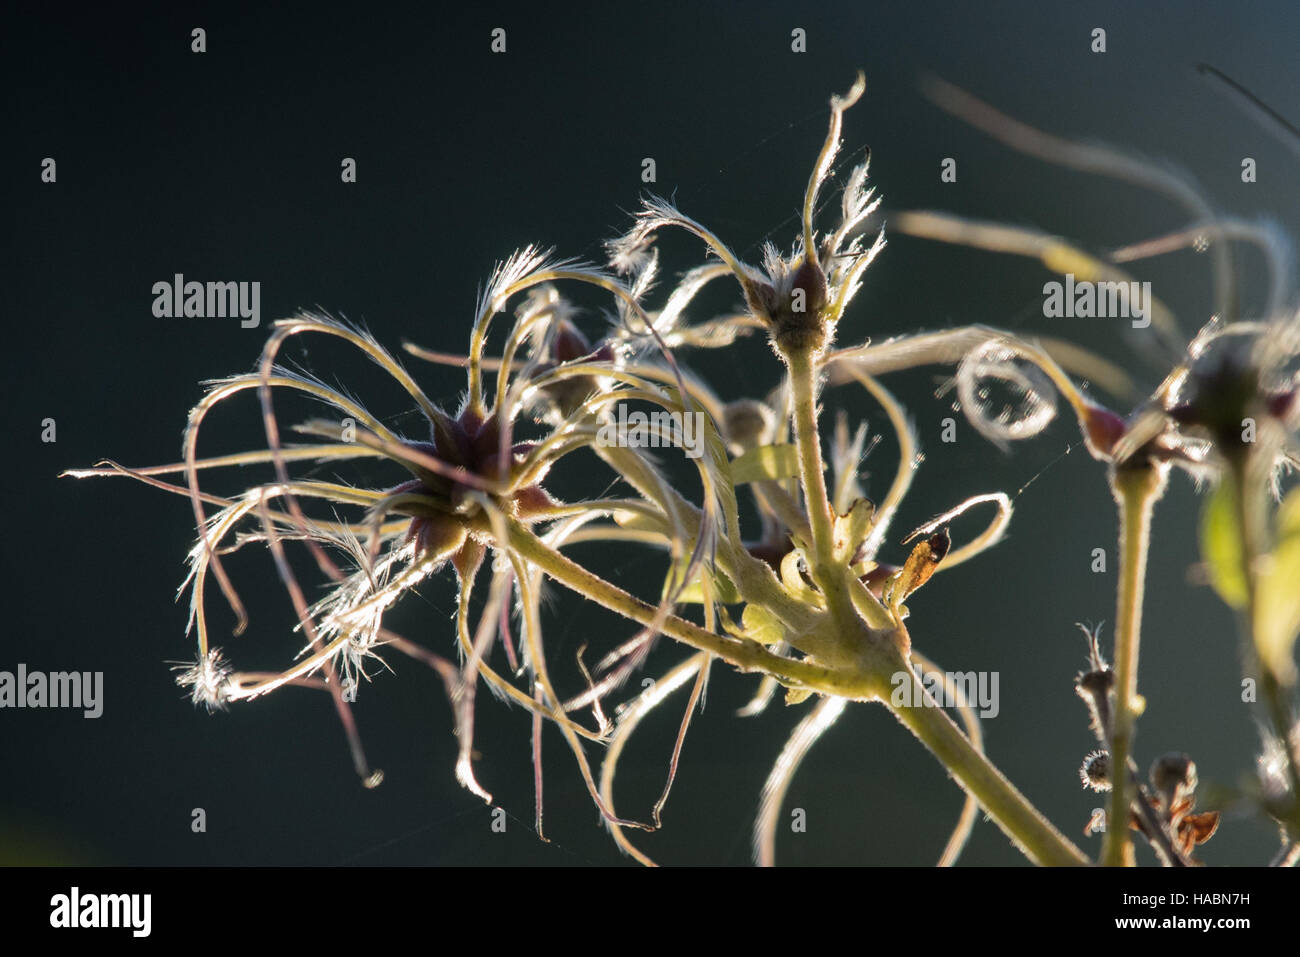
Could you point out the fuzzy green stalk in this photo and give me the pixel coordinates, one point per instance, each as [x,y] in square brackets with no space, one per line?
[1012,812]
[871,648]
[1137,486]
[1032,833]
[745,655]
[829,576]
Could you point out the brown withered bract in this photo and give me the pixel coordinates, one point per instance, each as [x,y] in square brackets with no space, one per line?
[920,565]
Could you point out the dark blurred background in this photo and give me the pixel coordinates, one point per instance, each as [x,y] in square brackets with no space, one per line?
[225,166]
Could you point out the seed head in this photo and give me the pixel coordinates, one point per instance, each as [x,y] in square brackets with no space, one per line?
[208,680]
[1095,771]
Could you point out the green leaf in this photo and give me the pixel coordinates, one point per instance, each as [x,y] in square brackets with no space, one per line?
[852,528]
[1221,544]
[765,462]
[1277,618]
[723,590]
[761,625]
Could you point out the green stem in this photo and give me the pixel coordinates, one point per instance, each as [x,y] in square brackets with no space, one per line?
[870,656]
[803,389]
[751,576]
[1137,487]
[1014,814]
[745,655]
[1017,818]
[826,572]
[1032,833]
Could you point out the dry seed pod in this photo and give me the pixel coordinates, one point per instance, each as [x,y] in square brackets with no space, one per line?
[1095,771]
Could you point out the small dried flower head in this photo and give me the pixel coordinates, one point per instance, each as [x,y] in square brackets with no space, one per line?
[1095,771]
[208,680]
[1094,686]
[1173,775]
[471,444]
[1237,372]
[1218,387]
[564,342]
[792,300]
[799,298]
[747,423]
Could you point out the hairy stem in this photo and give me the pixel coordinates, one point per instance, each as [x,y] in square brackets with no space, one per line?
[803,388]
[745,655]
[1032,833]
[751,575]
[826,572]
[1014,814]
[1017,818]
[1137,487]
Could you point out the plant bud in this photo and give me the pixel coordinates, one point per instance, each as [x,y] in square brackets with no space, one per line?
[1173,775]
[1095,771]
